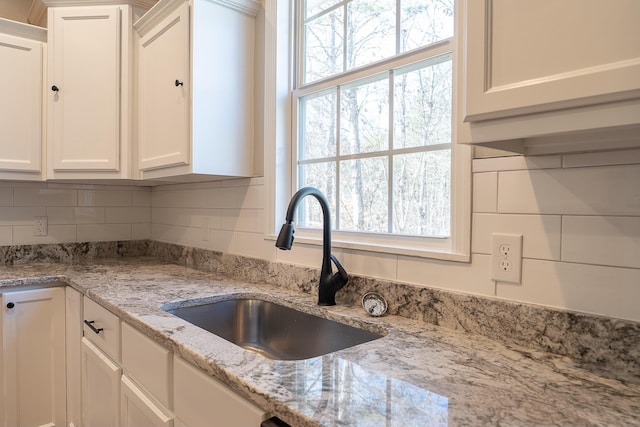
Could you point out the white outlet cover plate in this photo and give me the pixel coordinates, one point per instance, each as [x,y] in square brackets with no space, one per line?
[513,253]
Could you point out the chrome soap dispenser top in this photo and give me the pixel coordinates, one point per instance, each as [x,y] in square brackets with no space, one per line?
[330,283]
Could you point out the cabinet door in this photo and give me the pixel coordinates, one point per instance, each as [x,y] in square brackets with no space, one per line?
[164,84]
[84,88]
[100,388]
[20,104]
[33,343]
[200,401]
[532,56]
[138,410]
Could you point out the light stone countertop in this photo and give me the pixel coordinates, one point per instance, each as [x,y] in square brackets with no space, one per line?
[417,375]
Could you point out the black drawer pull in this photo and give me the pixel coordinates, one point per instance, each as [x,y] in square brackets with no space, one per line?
[10,305]
[89,323]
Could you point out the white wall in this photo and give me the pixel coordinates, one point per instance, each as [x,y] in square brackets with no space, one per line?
[579,214]
[76,213]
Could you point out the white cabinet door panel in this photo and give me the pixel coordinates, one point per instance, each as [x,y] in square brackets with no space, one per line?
[33,347]
[531,56]
[21,104]
[85,103]
[138,410]
[164,93]
[100,388]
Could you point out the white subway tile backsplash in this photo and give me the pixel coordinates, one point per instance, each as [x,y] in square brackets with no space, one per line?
[371,264]
[186,217]
[613,241]
[20,215]
[223,241]
[45,196]
[238,220]
[104,198]
[6,235]
[23,235]
[511,163]
[103,232]
[255,245]
[473,277]
[68,215]
[209,198]
[252,198]
[141,231]
[608,291]
[128,215]
[605,191]
[541,233]
[6,196]
[141,198]
[581,227]
[485,192]
[301,254]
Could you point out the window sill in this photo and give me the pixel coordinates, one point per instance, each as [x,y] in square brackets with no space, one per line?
[443,254]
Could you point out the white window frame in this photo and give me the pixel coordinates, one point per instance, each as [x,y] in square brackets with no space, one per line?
[281,145]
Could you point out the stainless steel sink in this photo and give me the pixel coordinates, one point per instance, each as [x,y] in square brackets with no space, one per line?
[273,330]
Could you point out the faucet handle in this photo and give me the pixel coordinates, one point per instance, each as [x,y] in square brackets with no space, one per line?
[342,273]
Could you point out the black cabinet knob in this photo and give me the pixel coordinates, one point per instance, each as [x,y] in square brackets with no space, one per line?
[10,305]
[54,88]
[179,83]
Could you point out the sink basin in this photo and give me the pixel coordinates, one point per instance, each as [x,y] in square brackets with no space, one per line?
[273,330]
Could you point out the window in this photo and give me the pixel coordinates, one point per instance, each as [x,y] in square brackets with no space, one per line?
[373,121]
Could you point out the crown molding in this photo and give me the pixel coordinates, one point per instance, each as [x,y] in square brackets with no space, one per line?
[20,29]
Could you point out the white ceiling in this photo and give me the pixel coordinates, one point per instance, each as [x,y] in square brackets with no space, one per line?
[20,10]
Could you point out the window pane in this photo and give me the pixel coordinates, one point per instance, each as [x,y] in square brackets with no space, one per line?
[364,118]
[318,130]
[421,193]
[364,195]
[313,7]
[370,31]
[323,46]
[422,106]
[323,177]
[424,22]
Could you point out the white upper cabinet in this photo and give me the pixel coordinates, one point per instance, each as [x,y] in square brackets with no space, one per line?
[22,50]
[89,94]
[544,76]
[196,89]
[163,97]
[85,88]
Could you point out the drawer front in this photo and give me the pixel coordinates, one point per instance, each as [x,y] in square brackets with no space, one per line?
[147,362]
[106,328]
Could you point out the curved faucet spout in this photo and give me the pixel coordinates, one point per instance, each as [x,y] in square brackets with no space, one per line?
[330,283]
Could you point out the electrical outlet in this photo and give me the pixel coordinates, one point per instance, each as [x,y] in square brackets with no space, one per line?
[40,226]
[506,258]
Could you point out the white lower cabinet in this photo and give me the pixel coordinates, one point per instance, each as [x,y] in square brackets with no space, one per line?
[138,409]
[73,314]
[201,401]
[32,360]
[139,382]
[100,387]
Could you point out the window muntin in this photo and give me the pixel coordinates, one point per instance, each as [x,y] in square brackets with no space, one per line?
[343,35]
[377,141]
